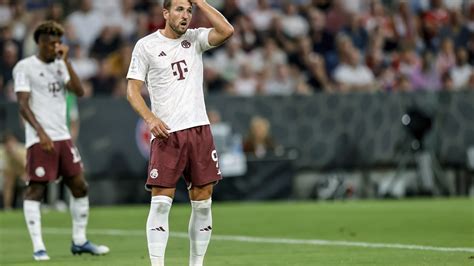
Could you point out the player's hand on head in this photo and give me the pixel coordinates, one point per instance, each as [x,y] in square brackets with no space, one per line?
[61,50]
[46,143]
[158,128]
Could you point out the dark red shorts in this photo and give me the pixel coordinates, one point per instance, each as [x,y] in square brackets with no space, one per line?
[188,152]
[42,166]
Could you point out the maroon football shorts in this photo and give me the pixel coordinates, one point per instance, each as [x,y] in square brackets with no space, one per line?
[189,152]
[43,167]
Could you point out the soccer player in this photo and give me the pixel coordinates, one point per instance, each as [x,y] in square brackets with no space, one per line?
[40,84]
[169,61]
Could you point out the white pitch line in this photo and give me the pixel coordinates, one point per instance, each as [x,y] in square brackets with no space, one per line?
[270,240]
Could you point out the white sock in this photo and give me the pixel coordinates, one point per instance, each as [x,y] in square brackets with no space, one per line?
[79,208]
[32,213]
[200,229]
[157,229]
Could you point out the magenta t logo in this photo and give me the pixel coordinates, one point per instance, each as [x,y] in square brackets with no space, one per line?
[179,68]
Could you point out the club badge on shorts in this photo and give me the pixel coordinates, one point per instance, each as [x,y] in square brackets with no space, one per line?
[154,173]
[40,172]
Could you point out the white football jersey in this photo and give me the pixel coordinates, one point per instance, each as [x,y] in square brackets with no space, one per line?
[173,72]
[46,84]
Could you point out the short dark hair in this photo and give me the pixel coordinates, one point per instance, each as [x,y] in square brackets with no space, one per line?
[48,28]
[167,4]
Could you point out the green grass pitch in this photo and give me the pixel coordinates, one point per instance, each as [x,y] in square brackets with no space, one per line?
[272,233]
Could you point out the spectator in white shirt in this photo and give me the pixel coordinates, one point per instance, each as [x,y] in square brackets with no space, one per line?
[87,23]
[352,75]
[461,72]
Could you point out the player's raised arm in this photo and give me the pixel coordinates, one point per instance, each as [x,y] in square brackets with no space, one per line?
[222,29]
[24,102]
[74,83]
[157,127]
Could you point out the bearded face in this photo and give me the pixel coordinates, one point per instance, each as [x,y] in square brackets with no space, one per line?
[179,16]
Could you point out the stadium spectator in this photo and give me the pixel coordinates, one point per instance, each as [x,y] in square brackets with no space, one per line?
[323,40]
[108,42]
[246,83]
[352,74]
[403,84]
[103,83]
[323,5]
[355,30]
[456,29]
[406,24]
[447,82]
[299,55]
[119,60]
[281,82]
[6,13]
[55,12]
[85,66]
[232,11]
[425,76]
[155,18]
[259,141]
[269,56]
[337,16]
[20,20]
[446,58]
[142,27]
[213,82]
[9,58]
[262,16]
[121,16]
[245,33]
[87,23]
[293,24]
[462,71]
[14,168]
[228,61]
[6,36]
[406,60]
[377,20]
[317,77]
[178,115]
[432,21]
[401,31]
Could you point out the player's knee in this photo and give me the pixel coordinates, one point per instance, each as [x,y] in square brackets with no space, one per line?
[80,190]
[35,192]
[162,207]
[201,204]
[199,193]
[161,204]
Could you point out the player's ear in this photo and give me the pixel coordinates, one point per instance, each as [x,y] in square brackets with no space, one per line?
[166,13]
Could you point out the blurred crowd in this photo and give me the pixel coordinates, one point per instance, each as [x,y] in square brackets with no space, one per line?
[279,47]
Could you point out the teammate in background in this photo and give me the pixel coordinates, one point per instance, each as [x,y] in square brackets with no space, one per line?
[169,61]
[40,84]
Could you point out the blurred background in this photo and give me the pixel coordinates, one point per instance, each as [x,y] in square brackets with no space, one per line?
[310,99]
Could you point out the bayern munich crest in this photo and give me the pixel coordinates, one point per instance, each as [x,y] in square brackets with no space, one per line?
[39,171]
[154,173]
[185,44]
[142,138]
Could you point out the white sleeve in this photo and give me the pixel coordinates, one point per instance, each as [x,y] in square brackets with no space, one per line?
[20,79]
[138,64]
[203,39]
